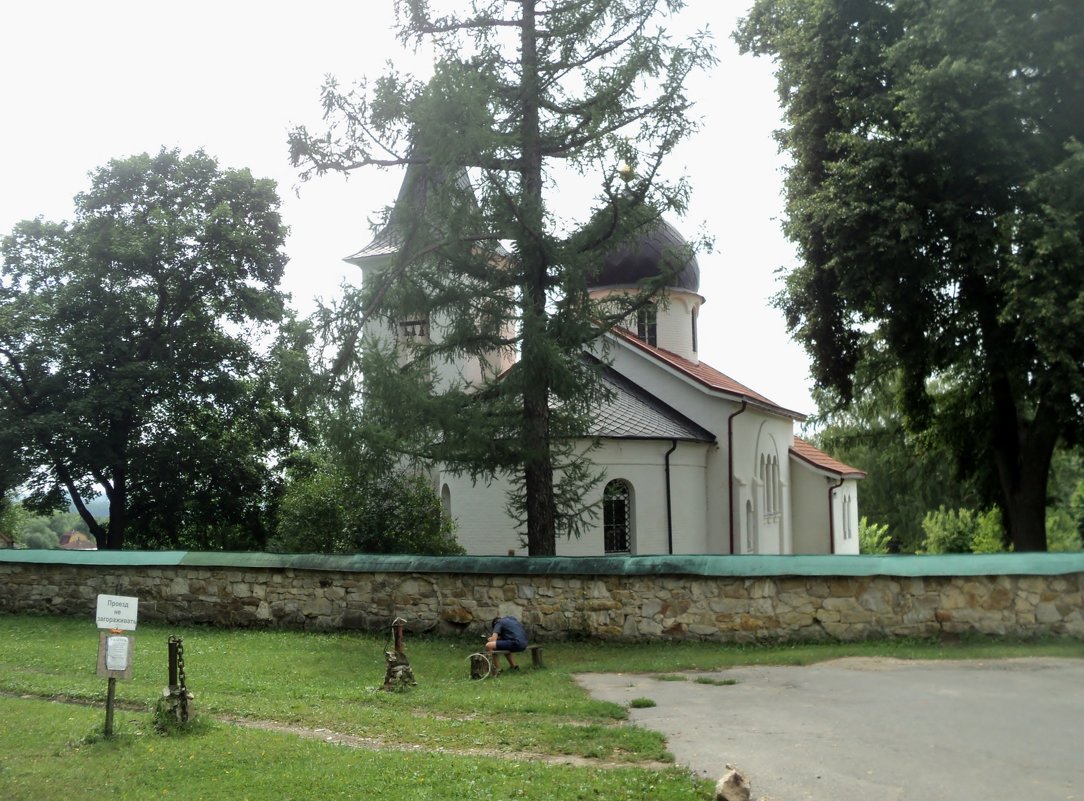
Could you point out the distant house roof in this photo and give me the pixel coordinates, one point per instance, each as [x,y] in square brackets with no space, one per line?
[705,374]
[77,541]
[805,452]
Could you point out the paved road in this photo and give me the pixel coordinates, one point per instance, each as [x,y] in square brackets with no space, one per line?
[876,729]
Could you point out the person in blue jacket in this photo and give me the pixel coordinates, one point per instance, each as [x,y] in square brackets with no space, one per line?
[508,635]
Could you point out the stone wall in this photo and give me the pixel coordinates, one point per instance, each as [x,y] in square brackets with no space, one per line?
[627,605]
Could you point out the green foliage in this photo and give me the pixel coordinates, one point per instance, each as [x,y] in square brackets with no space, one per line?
[990,534]
[328,508]
[39,539]
[9,514]
[1076,509]
[908,473]
[1062,532]
[518,93]
[641,703]
[873,538]
[61,523]
[129,366]
[963,531]
[935,199]
[33,531]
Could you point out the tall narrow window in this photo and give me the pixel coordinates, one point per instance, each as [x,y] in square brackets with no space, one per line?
[771,485]
[696,313]
[446,500]
[646,324]
[617,517]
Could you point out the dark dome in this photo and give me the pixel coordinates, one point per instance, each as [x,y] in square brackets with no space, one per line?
[658,249]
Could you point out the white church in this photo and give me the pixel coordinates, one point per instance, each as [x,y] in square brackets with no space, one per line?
[694,462]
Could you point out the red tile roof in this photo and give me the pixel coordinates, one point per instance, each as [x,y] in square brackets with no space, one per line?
[704,374]
[77,541]
[818,458]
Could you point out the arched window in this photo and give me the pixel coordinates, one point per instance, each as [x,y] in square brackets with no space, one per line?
[773,489]
[617,517]
[647,324]
[446,500]
[777,488]
[696,313]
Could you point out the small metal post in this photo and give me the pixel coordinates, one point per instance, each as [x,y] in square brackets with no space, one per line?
[397,626]
[172,664]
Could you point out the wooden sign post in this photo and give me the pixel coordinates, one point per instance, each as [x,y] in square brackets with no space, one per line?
[116,614]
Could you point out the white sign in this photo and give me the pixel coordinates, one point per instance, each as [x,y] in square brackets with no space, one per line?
[116,653]
[117,612]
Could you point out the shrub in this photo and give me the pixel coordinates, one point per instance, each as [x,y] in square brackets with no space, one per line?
[1062,533]
[872,538]
[328,509]
[963,531]
[989,536]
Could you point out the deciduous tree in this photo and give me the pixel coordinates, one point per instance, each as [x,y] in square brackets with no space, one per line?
[936,197]
[127,343]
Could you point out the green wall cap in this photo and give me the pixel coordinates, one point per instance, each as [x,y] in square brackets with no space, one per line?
[1008,564]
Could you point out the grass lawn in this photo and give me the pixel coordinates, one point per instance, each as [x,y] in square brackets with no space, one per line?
[511,736]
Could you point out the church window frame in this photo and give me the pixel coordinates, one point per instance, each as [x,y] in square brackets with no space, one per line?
[446,501]
[750,528]
[771,485]
[617,517]
[647,324]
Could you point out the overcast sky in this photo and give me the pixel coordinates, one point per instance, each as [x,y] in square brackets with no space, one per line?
[84,82]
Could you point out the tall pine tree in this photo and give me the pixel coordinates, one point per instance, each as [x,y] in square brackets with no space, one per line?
[522,90]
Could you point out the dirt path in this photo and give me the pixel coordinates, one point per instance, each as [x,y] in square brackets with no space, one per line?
[377,744]
[371,743]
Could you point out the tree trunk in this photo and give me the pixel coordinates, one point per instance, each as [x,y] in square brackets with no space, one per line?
[538,465]
[118,508]
[1023,451]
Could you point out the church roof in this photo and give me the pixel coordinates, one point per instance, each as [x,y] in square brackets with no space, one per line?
[652,251]
[631,412]
[706,375]
[810,454]
[419,182]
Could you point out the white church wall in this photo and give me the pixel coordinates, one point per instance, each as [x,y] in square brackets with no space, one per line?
[689,496]
[449,372]
[674,323]
[484,527]
[751,428]
[845,517]
[761,464]
[809,496]
[642,464]
[710,411]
